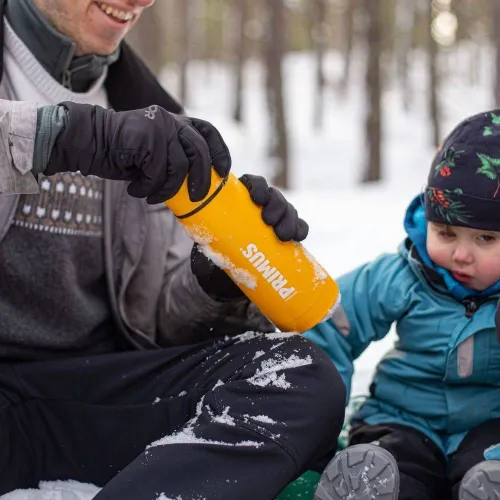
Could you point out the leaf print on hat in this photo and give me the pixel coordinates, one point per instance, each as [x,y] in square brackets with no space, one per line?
[447,207]
[444,167]
[495,119]
[490,167]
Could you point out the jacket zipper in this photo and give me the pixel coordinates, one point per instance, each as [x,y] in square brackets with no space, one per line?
[471,306]
[67,76]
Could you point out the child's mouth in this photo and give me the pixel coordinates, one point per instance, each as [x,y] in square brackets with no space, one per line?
[462,277]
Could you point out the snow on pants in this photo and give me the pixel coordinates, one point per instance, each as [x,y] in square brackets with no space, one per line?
[235,418]
[425,473]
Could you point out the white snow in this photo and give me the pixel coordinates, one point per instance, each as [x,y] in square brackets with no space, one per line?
[349,223]
[279,335]
[245,337]
[55,490]
[268,373]
[225,418]
[262,418]
[187,434]
[241,276]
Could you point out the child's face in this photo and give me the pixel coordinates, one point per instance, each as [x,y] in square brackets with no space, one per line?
[471,255]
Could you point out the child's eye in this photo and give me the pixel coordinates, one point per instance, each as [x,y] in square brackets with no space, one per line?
[446,234]
[487,238]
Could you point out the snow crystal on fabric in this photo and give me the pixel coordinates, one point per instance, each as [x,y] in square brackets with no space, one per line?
[267,374]
[261,418]
[188,436]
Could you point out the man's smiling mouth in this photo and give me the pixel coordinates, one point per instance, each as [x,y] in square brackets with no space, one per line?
[116,14]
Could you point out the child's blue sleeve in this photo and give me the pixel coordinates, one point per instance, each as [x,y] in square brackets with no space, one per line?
[373,296]
[492,453]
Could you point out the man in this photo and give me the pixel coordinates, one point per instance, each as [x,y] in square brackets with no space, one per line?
[121,360]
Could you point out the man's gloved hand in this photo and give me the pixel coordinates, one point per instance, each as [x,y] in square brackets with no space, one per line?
[276,212]
[153,149]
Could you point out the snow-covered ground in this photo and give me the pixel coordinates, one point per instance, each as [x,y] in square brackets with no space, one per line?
[349,223]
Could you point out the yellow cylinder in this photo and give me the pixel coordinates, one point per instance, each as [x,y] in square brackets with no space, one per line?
[282,279]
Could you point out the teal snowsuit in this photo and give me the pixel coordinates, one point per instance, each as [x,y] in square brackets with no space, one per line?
[443,375]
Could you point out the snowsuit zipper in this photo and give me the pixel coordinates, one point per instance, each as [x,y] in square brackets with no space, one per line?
[471,306]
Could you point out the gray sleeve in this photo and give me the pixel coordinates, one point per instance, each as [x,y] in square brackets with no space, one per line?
[50,121]
[188,315]
[18,121]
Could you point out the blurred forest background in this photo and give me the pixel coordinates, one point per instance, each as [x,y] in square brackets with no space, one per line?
[389,34]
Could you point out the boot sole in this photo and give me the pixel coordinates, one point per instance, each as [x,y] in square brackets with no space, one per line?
[482,482]
[360,472]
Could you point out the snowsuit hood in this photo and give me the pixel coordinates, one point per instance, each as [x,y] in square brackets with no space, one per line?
[415,224]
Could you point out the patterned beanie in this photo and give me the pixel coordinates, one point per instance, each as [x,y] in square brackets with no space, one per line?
[463,187]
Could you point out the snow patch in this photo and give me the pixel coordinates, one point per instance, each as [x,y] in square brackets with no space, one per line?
[239,276]
[55,490]
[188,436]
[245,337]
[320,275]
[280,335]
[199,234]
[217,258]
[225,418]
[275,346]
[261,418]
[217,384]
[267,374]
[243,277]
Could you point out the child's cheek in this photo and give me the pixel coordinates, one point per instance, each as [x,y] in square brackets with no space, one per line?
[489,269]
[438,255]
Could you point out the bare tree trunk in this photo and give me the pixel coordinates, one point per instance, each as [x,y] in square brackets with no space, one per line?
[184,36]
[347,43]
[434,112]
[275,51]
[241,14]
[405,18]
[319,37]
[496,35]
[373,168]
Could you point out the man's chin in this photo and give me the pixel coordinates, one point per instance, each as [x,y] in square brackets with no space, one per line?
[98,48]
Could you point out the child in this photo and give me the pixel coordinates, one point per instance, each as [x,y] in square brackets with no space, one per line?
[434,404]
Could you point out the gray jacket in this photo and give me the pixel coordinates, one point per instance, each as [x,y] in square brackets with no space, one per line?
[156,301]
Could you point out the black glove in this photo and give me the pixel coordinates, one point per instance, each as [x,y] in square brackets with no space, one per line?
[276,212]
[153,149]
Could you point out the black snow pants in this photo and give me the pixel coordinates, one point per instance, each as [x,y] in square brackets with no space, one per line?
[425,473]
[236,418]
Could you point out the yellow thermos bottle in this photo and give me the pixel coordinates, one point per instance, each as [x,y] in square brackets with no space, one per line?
[282,279]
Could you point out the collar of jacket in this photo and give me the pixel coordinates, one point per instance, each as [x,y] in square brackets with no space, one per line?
[55,51]
[141,89]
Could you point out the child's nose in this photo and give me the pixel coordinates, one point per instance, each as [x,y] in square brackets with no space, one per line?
[463,254]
